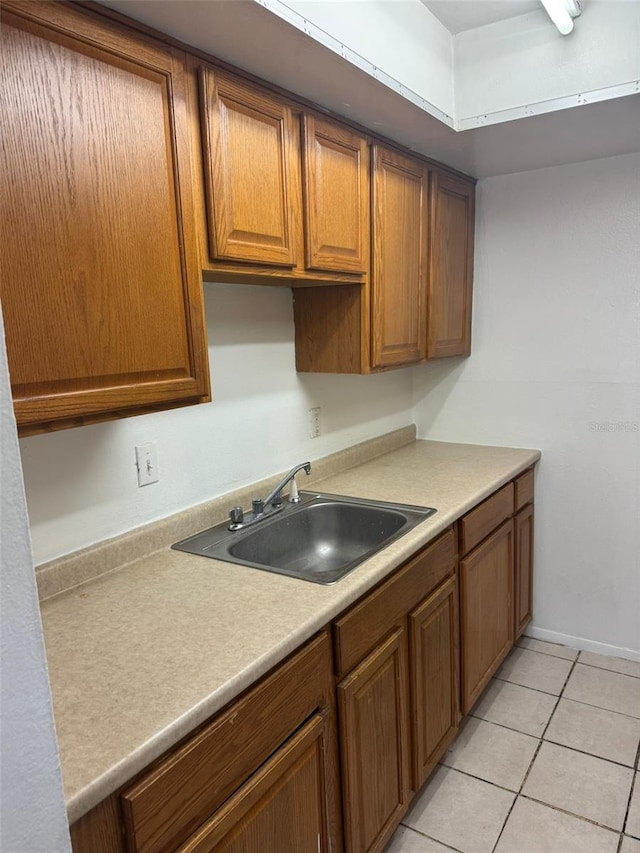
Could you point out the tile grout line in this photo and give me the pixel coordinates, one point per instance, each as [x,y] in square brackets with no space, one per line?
[535,754]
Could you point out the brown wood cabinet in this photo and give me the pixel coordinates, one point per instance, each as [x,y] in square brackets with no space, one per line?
[399,706]
[399,264]
[451,242]
[284,188]
[250,171]
[101,288]
[336,197]
[523,564]
[486,583]
[283,807]
[372,704]
[435,689]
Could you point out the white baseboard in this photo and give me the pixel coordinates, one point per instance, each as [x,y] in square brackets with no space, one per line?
[582,643]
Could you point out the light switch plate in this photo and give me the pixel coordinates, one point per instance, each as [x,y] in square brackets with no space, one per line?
[147,463]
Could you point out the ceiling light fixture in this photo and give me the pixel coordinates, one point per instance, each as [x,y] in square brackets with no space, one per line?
[562,13]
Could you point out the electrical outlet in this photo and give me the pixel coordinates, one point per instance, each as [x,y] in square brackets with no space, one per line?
[147,463]
[314,422]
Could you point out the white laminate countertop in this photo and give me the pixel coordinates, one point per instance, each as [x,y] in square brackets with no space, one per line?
[140,656]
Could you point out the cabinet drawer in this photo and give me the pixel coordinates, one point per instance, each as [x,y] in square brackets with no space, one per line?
[479,523]
[524,489]
[357,633]
[282,807]
[166,806]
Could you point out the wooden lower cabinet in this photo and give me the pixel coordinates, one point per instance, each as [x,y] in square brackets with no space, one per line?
[372,704]
[435,686]
[523,569]
[283,807]
[486,584]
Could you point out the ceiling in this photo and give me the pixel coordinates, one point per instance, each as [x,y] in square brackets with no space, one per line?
[247,35]
[460,15]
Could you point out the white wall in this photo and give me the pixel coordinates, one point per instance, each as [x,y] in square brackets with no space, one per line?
[525,60]
[401,37]
[81,483]
[32,813]
[556,365]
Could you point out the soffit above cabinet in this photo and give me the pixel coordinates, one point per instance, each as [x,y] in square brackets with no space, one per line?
[248,35]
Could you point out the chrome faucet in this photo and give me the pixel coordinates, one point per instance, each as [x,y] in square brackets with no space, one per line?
[262,509]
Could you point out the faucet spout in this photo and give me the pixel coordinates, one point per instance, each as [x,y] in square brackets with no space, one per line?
[274,498]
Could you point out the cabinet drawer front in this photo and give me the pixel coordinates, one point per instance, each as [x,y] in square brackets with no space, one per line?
[282,808]
[357,633]
[478,524]
[524,489]
[165,807]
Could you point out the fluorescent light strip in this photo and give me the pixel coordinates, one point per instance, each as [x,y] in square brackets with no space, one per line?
[562,13]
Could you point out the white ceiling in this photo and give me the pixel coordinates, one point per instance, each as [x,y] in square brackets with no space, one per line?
[247,35]
[460,15]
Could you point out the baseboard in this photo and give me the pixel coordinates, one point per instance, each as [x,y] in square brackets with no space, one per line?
[581,643]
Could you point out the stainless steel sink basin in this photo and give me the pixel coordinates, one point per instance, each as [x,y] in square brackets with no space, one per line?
[320,539]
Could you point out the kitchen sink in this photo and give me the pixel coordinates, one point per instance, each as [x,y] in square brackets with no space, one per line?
[320,539]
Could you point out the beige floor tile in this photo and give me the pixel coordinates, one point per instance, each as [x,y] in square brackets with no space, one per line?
[517,707]
[545,648]
[534,828]
[603,733]
[581,784]
[630,845]
[492,753]
[633,818]
[625,667]
[460,811]
[604,689]
[531,669]
[407,840]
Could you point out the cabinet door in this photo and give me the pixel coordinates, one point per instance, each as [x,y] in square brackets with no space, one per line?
[374,746]
[435,666]
[336,197]
[399,282]
[523,574]
[283,807]
[249,172]
[450,266]
[486,577]
[101,287]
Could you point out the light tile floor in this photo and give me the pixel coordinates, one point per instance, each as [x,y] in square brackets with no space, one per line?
[547,762]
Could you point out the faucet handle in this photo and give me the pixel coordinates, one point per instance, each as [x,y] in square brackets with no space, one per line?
[258,506]
[236,515]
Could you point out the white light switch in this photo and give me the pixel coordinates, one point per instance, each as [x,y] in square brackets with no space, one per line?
[147,463]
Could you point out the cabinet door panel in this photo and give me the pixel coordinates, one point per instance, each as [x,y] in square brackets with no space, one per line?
[399,259]
[336,182]
[523,568]
[451,266]
[100,287]
[248,151]
[486,578]
[373,736]
[435,665]
[283,807]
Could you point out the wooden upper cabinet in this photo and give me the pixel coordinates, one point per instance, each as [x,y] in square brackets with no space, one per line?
[435,678]
[336,197]
[399,273]
[450,265]
[249,167]
[101,288]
